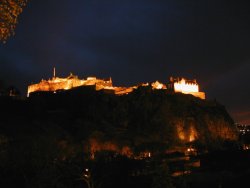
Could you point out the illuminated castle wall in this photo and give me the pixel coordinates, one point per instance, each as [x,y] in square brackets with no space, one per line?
[176,84]
[181,85]
[70,82]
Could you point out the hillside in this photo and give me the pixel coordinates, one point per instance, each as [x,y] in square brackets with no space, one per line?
[143,120]
[48,138]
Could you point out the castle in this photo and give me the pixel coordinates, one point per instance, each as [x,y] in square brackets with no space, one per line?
[178,85]
[181,85]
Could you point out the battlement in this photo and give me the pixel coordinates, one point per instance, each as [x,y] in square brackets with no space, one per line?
[52,85]
[182,85]
[70,82]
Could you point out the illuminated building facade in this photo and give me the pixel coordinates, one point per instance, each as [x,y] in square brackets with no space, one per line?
[72,81]
[181,85]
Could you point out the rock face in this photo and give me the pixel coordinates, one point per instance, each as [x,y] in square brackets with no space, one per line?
[52,134]
[204,121]
[143,119]
[184,119]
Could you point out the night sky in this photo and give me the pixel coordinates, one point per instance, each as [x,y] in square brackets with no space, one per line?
[136,41]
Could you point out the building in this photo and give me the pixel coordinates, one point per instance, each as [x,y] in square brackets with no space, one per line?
[54,84]
[177,85]
[182,85]
[243,128]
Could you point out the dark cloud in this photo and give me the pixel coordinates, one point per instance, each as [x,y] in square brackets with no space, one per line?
[135,41]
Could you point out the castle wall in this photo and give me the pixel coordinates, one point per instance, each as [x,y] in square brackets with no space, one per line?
[56,83]
[68,83]
[187,87]
[200,95]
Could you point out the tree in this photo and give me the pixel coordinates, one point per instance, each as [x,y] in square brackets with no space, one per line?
[9,12]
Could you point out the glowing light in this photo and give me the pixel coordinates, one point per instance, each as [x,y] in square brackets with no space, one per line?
[180,132]
[158,85]
[190,149]
[193,134]
[187,87]
[70,82]
[184,87]
[181,135]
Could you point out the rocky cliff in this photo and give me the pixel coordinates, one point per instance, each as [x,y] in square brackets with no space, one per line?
[144,119]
